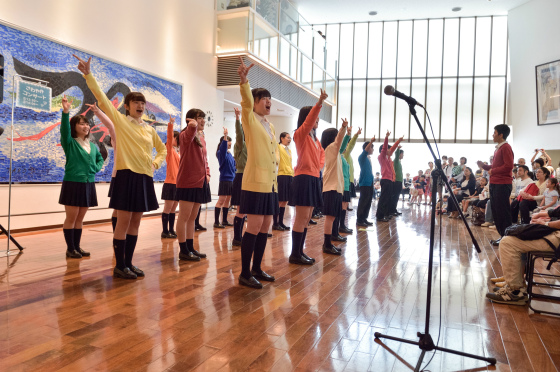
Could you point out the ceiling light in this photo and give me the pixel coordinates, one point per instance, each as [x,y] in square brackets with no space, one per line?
[456,9]
[372,13]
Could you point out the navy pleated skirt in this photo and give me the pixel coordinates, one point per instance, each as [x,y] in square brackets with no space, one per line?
[225,188]
[168,191]
[196,194]
[332,203]
[236,189]
[284,188]
[78,194]
[306,191]
[261,203]
[133,192]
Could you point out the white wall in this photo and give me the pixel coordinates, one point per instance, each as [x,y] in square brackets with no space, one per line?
[533,39]
[173,39]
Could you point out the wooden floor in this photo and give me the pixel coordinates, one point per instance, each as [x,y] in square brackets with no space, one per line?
[72,315]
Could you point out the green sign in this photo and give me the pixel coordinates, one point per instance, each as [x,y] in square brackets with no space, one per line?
[33,96]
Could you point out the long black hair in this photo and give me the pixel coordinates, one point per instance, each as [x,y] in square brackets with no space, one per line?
[328,137]
[303,113]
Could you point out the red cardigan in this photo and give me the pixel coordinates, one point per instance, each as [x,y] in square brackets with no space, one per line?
[502,166]
[193,166]
[311,156]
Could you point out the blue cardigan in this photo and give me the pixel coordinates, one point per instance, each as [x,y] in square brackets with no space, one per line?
[227,163]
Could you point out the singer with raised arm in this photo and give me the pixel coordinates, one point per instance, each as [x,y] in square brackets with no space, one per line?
[387,178]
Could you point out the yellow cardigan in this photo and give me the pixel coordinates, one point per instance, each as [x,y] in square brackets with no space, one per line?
[134,142]
[285,168]
[262,158]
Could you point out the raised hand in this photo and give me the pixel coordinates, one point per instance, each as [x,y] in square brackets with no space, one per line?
[387,134]
[93,107]
[344,123]
[243,70]
[359,131]
[192,123]
[225,132]
[83,66]
[322,97]
[402,137]
[171,120]
[372,139]
[66,105]
[237,113]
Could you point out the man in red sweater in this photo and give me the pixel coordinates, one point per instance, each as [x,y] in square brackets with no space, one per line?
[500,180]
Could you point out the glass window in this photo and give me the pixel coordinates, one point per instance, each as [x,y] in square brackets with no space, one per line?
[289,18]
[360,50]
[448,105]
[317,79]
[305,40]
[332,49]
[466,54]
[346,37]
[464,107]
[435,45]
[375,51]
[480,108]
[387,111]
[306,71]
[402,112]
[330,89]
[344,99]
[482,57]
[390,50]
[451,47]
[420,46]
[274,51]
[418,91]
[499,45]
[497,99]
[284,56]
[358,105]
[432,105]
[268,9]
[373,97]
[319,45]
[405,49]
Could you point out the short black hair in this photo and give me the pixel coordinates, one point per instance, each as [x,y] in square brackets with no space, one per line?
[328,137]
[462,157]
[526,168]
[502,129]
[77,120]
[260,93]
[365,145]
[540,161]
[381,148]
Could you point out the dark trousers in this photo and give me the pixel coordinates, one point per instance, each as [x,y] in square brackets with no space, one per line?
[501,211]
[384,202]
[397,188]
[451,207]
[524,207]
[364,203]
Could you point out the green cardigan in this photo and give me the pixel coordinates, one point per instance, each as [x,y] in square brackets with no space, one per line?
[80,166]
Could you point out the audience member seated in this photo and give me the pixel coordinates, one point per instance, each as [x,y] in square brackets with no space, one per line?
[528,197]
[466,189]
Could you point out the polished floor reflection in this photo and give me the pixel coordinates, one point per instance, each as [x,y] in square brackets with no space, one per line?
[72,315]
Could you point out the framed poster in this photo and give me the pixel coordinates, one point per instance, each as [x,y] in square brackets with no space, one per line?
[548,93]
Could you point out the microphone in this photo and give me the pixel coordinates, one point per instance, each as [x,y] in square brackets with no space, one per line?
[390,91]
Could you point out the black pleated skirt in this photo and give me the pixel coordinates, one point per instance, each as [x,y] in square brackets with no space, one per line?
[78,194]
[168,191]
[306,191]
[346,197]
[225,188]
[133,192]
[111,186]
[353,190]
[260,203]
[284,188]
[195,195]
[236,189]
[332,203]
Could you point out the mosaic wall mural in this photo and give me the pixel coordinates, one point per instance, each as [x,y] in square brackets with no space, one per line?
[38,156]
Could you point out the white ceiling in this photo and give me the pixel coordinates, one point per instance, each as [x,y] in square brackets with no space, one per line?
[335,11]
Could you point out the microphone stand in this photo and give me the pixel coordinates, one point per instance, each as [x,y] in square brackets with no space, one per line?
[426,342]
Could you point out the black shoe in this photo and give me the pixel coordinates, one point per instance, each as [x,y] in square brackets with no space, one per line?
[199,228]
[338,238]
[165,235]
[286,228]
[368,223]
[73,254]
[226,223]
[236,243]
[496,242]
[83,253]
[252,282]
[311,222]
[173,235]
[277,227]
[361,224]
[349,209]
[345,230]
[331,250]
[219,226]
[316,216]
[262,276]
[125,273]
[396,214]
[384,219]
[269,235]
[309,258]
[300,261]
[136,270]
[188,257]
[198,254]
